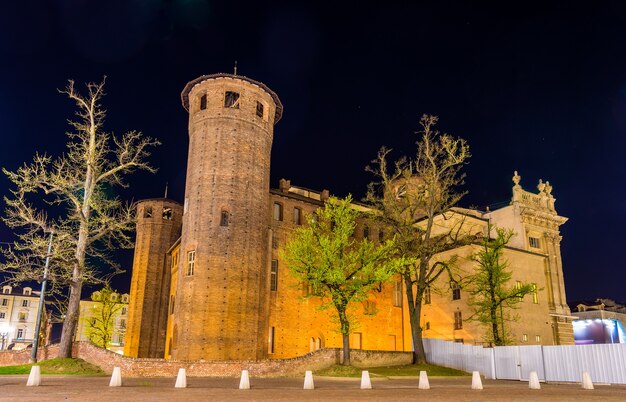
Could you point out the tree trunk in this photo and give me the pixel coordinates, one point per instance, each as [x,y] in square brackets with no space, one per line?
[345,332]
[415,311]
[71,319]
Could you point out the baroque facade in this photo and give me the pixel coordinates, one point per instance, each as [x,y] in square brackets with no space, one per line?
[209,282]
[18,318]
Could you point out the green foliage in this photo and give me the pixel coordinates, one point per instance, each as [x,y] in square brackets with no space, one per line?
[100,323]
[491,295]
[56,366]
[325,256]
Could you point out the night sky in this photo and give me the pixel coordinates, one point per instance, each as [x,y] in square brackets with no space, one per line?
[534,87]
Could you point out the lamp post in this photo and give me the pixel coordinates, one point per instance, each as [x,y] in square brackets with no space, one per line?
[33,353]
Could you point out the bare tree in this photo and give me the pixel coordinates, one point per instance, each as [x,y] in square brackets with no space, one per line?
[100,321]
[71,198]
[411,195]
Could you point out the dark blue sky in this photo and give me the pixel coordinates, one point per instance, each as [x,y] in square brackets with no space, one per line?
[534,87]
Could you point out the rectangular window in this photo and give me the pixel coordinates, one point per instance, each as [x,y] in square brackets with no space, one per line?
[426,296]
[518,286]
[259,109]
[203,102]
[297,216]
[278,211]
[147,212]
[535,294]
[124,311]
[120,339]
[524,337]
[274,275]
[366,232]
[397,294]
[427,324]
[456,291]
[22,315]
[274,241]
[191,262]
[231,99]
[224,217]
[369,307]
[458,320]
[122,323]
[5,302]
[271,341]
[538,338]
[381,236]
[533,242]
[2,315]
[20,334]
[24,303]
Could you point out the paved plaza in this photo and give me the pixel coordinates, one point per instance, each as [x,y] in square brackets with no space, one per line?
[77,388]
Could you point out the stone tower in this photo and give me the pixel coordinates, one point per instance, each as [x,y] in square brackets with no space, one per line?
[159,223]
[222,293]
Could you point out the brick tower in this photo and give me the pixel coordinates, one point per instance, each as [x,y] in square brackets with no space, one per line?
[222,293]
[159,223]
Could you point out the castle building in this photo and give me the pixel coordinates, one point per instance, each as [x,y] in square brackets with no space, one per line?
[209,281]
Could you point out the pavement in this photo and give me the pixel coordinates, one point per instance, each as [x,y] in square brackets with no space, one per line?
[83,388]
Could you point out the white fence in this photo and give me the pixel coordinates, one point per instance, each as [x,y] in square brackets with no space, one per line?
[605,363]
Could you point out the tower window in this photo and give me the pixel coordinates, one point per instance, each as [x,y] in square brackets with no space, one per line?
[427,295]
[297,216]
[458,320]
[533,242]
[366,232]
[224,218]
[167,214]
[203,102]
[274,275]
[278,211]
[456,291]
[381,236]
[427,324]
[191,262]
[397,294]
[147,212]
[260,109]
[231,99]
[535,295]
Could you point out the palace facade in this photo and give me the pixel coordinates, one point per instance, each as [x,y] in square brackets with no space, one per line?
[208,280]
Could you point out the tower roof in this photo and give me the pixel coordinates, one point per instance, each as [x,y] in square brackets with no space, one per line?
[184,96]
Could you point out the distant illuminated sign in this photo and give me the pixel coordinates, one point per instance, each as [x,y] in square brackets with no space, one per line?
[597,330]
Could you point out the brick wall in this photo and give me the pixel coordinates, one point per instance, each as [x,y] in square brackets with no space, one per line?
[138,367]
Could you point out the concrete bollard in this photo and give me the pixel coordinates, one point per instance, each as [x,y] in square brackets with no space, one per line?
[476,382]
[181,378]
[244,383]
[308,380]
[533,381]
[34,378]
[116,377]
[365,380]
[423,383]
[587,383]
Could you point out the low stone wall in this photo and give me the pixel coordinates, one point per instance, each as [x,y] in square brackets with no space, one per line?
[134,367]
[17,357]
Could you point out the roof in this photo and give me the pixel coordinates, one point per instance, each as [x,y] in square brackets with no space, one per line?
[184,96]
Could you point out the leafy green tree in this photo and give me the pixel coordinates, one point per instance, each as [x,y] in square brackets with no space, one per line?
[491,294]
[326,256]
[410,196]
[100,323]
[71,197]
